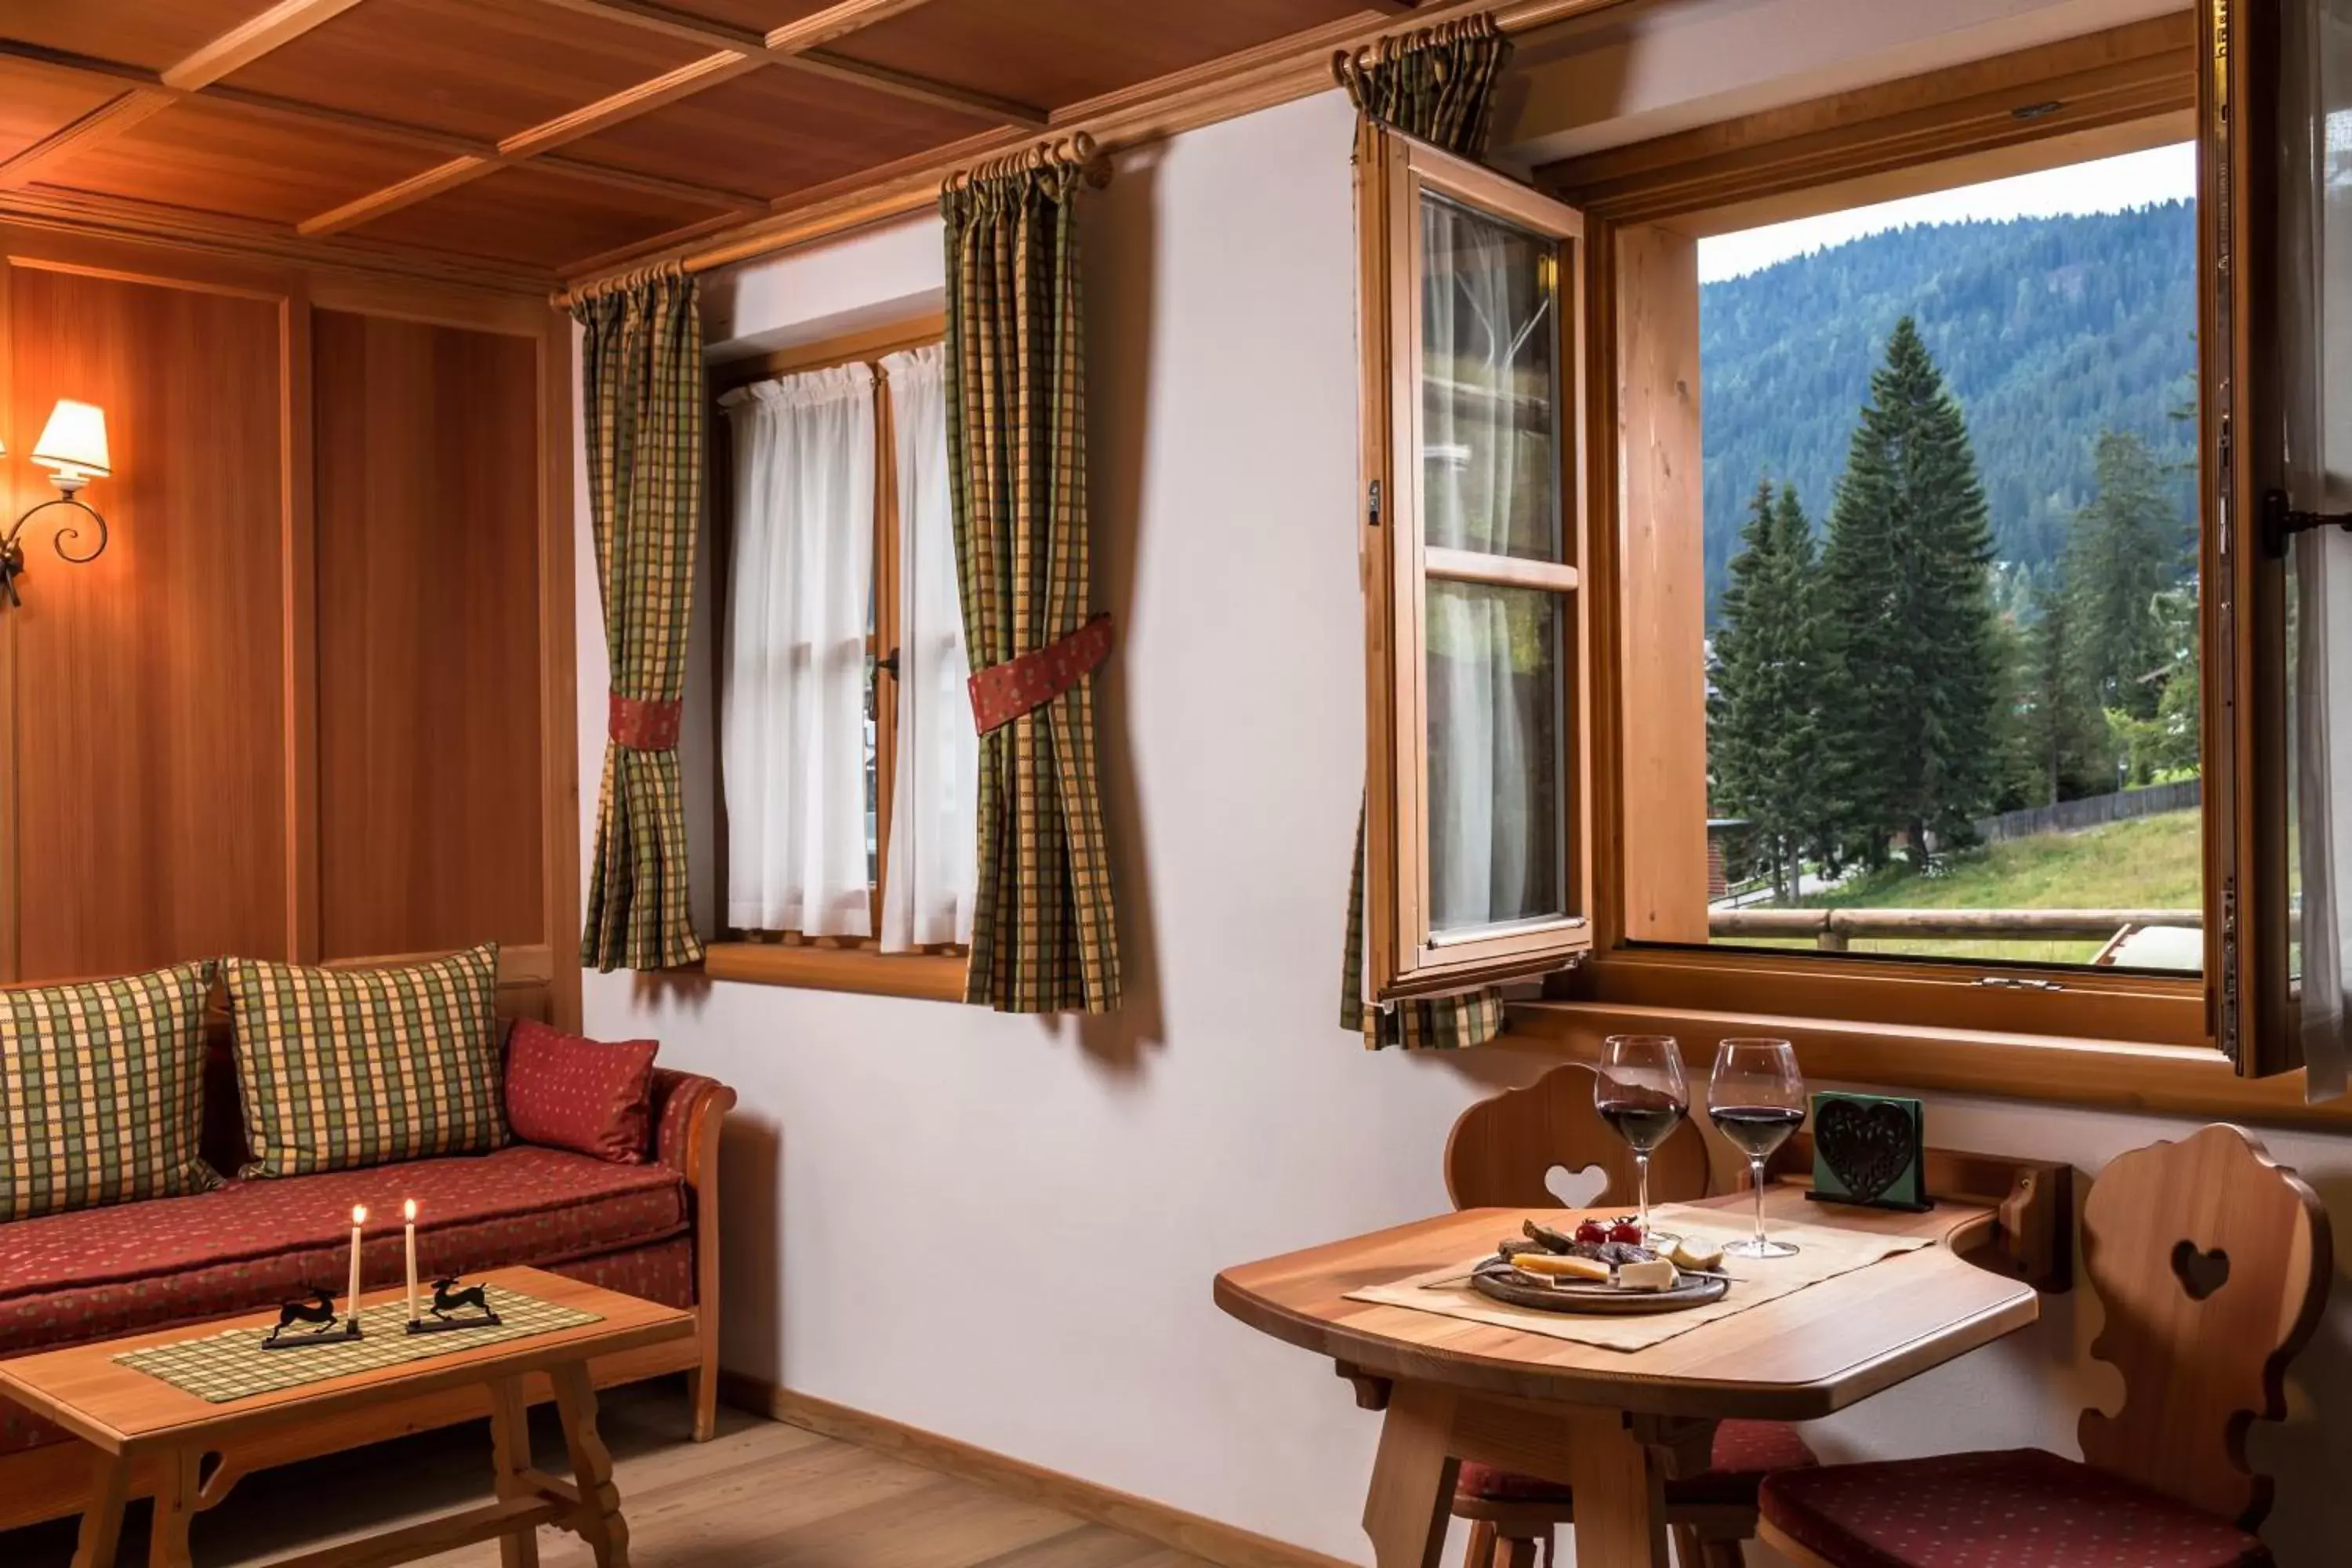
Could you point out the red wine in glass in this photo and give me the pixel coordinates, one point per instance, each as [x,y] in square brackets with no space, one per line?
[1756,1130]
[1755,1098]
[1638,1090]
[1643,1123]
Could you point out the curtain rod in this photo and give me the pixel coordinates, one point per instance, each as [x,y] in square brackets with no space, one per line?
[1124,123]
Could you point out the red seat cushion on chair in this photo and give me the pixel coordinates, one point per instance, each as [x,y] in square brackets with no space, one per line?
[1745,1451]
[2018,1507]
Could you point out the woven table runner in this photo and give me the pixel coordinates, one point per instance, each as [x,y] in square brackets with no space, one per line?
[1825,1253]
[229,1365]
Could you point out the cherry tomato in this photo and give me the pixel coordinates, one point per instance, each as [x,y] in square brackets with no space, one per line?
[1592,1232]
[1626,1230]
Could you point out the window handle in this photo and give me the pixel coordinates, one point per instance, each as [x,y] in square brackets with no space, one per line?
[891,664]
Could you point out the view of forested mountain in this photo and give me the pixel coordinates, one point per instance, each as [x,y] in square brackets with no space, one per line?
[2049,330]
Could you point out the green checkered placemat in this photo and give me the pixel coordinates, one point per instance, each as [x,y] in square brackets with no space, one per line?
[228,1366]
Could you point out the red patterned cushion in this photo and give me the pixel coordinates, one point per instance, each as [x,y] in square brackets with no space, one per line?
[2019,1508]
[569,1092]
[663,1272]
[1744,1452]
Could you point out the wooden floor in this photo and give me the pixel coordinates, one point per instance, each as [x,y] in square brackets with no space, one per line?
[760,1495]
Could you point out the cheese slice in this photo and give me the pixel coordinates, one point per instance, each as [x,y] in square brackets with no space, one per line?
[1690,1254]
[1561,1265]
[1653,1274]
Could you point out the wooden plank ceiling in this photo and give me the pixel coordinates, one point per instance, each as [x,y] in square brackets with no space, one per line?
[538,139]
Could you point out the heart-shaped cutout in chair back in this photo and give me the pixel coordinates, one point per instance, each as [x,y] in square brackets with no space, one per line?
[2199,1273]
[1576,1189]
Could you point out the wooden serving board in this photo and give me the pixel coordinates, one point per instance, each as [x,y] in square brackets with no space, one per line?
[1694,1290]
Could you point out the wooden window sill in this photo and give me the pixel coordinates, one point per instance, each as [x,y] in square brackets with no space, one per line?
[2177,1081]
[924,976]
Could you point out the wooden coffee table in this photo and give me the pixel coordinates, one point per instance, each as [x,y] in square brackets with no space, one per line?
[132,1419]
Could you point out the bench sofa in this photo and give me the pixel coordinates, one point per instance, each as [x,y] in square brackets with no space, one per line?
[651,1230]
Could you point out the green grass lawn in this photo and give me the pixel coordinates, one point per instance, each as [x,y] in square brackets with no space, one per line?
[2147,863]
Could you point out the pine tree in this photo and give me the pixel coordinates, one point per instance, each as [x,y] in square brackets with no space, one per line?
[1910,719]
[2124,552]
[2065,734]
[1763,713]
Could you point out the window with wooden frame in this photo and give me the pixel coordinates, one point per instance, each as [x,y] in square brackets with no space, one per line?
[2181,1040]
[844,733]
[1474,538]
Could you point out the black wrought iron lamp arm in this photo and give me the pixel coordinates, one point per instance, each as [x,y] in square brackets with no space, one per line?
[12,548]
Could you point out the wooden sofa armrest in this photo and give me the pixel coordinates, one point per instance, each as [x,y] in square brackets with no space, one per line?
[689,1112]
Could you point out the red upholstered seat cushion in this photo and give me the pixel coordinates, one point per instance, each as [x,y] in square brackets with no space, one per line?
[2018,1507]
[72,1277]
[1745,1451]
[571,1092]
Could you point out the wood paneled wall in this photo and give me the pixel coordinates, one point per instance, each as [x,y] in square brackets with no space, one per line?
[316,699]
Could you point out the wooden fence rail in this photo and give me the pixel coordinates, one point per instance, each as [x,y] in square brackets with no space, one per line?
[1834,931]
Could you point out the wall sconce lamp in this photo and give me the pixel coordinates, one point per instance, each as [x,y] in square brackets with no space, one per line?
[73,448]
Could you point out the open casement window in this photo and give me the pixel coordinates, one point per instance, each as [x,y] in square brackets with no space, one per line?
[1472,543]
[2278,107]
[2075,1027]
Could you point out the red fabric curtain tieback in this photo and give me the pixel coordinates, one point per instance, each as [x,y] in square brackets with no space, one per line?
[1003,693]
[644,724]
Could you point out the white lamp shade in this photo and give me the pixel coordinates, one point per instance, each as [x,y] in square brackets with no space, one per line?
[73,442]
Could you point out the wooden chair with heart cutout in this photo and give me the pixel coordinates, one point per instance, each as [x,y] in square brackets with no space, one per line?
[2213,1265]
[1501,1155]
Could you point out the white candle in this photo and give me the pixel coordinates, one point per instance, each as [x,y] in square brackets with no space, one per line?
[409,1210]
[359,1218]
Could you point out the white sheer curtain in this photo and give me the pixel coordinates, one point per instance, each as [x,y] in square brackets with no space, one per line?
[1483,761]
[793,720]
[934,812]
[2316,295]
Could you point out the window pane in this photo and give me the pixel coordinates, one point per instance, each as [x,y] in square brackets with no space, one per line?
[1951,678]
[1496,757]
[1489,385]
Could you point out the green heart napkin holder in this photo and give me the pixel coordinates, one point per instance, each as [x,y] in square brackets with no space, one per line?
[1869,1150]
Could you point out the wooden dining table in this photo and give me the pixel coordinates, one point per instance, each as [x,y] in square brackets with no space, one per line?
[1616,1425]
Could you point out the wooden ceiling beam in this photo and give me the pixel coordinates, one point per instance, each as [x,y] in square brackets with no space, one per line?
[268,105]
[919,89]
[627,104]
[108,120]
[736,51]
[797,46]
[529,145]
[836,21]
[121,217]
[239,46]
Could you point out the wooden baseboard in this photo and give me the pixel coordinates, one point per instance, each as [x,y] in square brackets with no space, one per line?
[1226,1544]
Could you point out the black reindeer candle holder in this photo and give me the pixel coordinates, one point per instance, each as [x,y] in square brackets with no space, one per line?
[449,1299]
[318,1310]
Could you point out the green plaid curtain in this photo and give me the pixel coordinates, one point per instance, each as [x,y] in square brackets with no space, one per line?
[1044,938]
[1437,84]
[643,388]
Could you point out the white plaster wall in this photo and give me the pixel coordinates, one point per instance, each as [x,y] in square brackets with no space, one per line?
[1077,1185]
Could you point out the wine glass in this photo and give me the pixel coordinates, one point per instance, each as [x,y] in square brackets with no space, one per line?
[1757,1098]
[1639,1090]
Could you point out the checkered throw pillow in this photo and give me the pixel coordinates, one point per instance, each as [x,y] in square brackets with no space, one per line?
[345,1067]
[101,1092]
